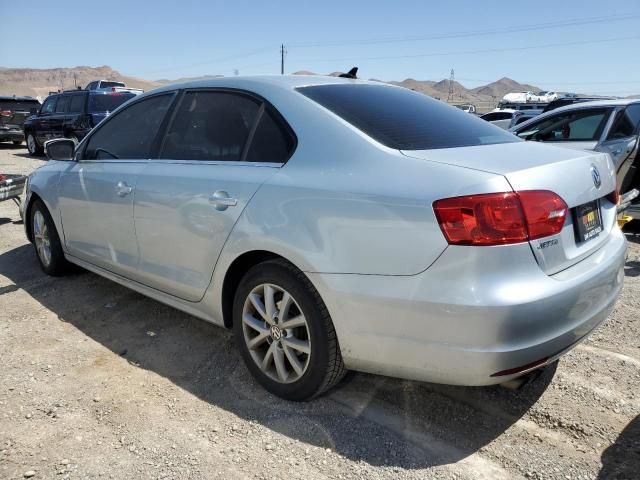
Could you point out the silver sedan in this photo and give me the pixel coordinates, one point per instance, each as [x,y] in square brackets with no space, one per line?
[338,224]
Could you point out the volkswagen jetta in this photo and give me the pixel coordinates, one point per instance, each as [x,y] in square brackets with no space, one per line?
[339,224]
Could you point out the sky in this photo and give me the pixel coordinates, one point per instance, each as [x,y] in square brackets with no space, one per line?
[586,46]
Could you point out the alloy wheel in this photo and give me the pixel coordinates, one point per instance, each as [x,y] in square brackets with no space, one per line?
[276,333]
[31,144]
[41,237]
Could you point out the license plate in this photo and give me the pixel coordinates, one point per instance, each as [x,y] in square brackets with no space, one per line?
[587,221]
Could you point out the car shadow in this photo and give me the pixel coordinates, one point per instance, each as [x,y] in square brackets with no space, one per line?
[622,459]
[374,419]
[11,146]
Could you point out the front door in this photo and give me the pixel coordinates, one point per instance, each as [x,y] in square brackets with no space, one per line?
[219,149]
[97,191]
[622,144]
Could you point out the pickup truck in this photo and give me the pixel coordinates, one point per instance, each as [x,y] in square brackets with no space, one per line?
[112,86]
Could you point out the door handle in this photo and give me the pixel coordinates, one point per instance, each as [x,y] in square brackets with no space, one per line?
[122,189]
[221,200]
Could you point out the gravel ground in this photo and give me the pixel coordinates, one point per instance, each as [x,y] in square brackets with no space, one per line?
[100,382]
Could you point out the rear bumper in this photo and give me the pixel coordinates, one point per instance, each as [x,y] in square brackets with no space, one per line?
[475,312]
[11,135]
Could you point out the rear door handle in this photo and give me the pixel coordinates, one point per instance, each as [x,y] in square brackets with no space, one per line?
[122,189]
[221,200]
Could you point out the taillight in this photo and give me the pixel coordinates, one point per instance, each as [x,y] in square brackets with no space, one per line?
[544,211]
[6,113]
[614,197]
[500,218]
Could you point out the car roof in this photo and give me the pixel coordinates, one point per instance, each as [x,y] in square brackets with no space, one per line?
[277,81]
[598,103]
[12,97]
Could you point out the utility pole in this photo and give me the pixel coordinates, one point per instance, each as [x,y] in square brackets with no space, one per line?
[283,52]
[451,80]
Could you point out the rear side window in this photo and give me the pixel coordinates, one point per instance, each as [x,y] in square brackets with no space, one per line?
[77,104]
[130,133]
[272,142]
[211,125]
[99,102]
[402,119]
[626,122]
[578,125]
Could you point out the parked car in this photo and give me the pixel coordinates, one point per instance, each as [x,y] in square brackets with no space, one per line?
[610,126]
[339,224]
[507,118]
[13,111]
[71,114]
[467,108]
[112,86]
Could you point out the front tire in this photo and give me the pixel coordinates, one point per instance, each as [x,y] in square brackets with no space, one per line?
[285,333]
[32,145]
[46,241]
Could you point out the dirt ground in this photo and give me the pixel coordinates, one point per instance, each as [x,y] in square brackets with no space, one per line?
[97,381]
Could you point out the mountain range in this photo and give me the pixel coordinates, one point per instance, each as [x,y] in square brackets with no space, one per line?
[39,82]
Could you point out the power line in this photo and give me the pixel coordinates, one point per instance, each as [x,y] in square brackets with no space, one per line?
[475,33]
[473,52]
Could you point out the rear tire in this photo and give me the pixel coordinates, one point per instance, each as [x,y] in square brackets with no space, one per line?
[46,241]
[289,343]
[32,145]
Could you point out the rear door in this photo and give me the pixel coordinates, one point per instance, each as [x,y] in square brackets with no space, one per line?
[219,149]
[621,143]
[97,192]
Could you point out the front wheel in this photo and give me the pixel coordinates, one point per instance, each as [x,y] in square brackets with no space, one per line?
[285,333]
[32,145]
[46,241]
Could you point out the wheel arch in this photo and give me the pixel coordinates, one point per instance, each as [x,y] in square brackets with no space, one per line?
[237,269]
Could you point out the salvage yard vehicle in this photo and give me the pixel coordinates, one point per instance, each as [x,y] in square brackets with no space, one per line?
[339,224]
[13,112]
[11,187]
[71,114]
[610,126]
[112,86]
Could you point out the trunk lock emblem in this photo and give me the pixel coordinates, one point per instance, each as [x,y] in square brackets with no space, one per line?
[595,174]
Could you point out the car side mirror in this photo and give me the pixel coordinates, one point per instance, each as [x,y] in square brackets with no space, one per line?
[61,149]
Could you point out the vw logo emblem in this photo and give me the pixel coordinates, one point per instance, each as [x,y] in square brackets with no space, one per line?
[276,333]
[595,175]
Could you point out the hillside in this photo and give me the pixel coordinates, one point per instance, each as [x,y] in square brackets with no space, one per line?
[39,82]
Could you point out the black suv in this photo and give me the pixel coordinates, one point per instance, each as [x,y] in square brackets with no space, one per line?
[13,112]
[71,114]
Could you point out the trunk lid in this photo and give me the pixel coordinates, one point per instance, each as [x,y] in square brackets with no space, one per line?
[534,166]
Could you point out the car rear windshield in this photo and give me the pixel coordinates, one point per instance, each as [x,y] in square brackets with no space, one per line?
[405,120]
[19,105]
[111,84]
[107,102]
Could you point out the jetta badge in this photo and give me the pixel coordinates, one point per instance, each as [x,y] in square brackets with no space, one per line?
[595,174]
